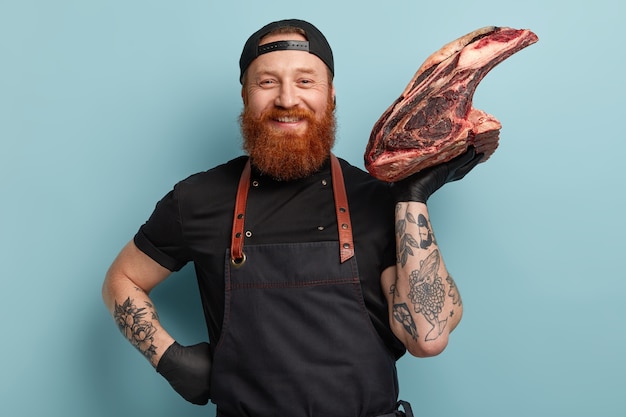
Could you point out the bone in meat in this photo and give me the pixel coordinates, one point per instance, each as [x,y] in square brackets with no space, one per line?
[433,120]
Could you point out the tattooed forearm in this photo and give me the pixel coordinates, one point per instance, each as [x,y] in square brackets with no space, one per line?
[407,241]
[424,299]
[402,314]
[427,293]
[132,323]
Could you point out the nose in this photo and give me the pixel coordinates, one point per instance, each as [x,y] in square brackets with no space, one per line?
[287,96]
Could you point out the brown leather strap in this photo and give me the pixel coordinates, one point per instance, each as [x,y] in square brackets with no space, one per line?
[237,257]
[344,226]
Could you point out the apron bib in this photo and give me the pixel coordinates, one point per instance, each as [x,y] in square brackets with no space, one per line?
[297,340]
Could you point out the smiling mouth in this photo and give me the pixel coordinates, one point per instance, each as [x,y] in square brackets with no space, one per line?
[288,119]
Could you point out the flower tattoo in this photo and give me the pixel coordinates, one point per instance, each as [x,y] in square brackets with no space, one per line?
[130,320]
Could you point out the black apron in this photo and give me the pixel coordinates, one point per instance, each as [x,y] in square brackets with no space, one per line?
[297,340]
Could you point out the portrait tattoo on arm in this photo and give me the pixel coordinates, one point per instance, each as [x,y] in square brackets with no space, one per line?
[408,241]
[131,321]
[427,291]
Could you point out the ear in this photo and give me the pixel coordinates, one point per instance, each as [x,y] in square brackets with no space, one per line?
[243,95]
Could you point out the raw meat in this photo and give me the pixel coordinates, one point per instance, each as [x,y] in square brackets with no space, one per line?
[433,120]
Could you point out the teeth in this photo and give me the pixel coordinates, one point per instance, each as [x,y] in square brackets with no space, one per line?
[287,119]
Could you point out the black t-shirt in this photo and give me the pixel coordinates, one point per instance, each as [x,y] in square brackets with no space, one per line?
[193,223]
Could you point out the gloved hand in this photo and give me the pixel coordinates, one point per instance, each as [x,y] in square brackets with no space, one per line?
[188,370]
[421,185]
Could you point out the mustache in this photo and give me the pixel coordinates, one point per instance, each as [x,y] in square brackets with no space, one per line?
[278,113]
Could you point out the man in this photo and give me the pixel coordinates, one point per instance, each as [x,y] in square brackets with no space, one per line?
[311,277]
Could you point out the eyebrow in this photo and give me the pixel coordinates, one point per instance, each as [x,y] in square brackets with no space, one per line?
[301,70]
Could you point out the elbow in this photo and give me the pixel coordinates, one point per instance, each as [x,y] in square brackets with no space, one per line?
[432,344]
[114,286]
[427,348]
[422,342]
[107,292]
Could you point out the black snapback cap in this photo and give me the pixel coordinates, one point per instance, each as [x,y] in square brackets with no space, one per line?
[315,44]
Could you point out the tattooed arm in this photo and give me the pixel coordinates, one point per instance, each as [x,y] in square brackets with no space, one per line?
[128,282]
[424,302]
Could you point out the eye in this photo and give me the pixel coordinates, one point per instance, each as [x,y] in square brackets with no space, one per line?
[306,82]
[267,82]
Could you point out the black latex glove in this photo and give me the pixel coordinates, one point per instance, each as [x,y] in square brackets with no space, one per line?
[421,185]
[188,370]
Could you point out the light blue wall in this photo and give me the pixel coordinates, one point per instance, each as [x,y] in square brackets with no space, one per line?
[104,105]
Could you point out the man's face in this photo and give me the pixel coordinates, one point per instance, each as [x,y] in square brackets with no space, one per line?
[288,122]
[289,80]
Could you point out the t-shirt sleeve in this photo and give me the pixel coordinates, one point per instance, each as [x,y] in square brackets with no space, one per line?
[161,237]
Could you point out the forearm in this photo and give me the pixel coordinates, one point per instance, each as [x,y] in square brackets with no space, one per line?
[125,291]
[425,304]
[136,317]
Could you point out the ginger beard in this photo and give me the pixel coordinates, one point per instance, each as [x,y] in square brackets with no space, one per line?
[284,155]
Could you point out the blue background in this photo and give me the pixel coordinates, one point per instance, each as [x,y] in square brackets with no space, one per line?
[104,105]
